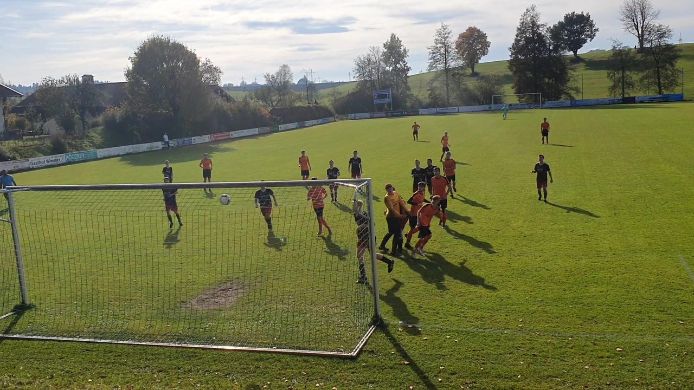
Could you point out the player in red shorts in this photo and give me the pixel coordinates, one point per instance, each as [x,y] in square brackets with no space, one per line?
[542,170]
[441,187]
[417,201]
[170,203]
[264,198]
[449,171]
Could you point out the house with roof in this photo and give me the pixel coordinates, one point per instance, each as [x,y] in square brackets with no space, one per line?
[6,93]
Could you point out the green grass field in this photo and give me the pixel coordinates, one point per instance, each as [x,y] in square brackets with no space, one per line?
[593,289]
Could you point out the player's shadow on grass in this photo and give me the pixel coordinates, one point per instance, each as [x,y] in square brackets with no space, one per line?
[434,269]
[342,207]
[15,319]
[455,217]
[423,377]
[461,163]
[334,249]
[184,154]
[171,237]
[422,140]
[483,245]
[471,202]
[4,211]
[561,145]
[400,310]
[274,241]
[208,194]
[574,210]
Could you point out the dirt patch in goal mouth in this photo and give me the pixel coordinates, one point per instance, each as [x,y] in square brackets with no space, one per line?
[220,297]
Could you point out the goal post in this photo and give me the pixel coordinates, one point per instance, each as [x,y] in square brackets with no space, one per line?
[517,100]
[100,263]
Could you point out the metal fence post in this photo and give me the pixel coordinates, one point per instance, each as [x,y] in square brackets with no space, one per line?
[18,249]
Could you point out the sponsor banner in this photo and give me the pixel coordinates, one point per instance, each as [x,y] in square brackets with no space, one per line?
[360,115]
[201,139]
[557,104]
[182,141]
[477,108]
[378,114]
[391,114]
[264,130]
[288,126]
[14,165]
[311,123]
[427,111]
[326,120]
[301,124]
[244,133]
[596,102]
[81,156]
[153,146]
[220,136]
[46,161]
[672,97]
[446,110]
[110,152]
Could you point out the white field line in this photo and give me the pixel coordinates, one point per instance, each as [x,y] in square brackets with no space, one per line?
[686,268]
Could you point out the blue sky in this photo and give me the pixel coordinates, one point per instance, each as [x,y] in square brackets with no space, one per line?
[249,38]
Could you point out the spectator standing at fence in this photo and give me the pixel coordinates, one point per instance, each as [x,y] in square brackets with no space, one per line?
[6,180]
[167,144]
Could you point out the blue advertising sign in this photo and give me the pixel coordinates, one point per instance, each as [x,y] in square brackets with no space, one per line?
[382,96]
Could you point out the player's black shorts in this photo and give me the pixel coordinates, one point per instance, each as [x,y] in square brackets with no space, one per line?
[412,219]
[206,173]
[445,149]
[424,231]
[319,212]
[443,203]
[545,133]
[394,226]
[356,174]
[305,172]
[450,178]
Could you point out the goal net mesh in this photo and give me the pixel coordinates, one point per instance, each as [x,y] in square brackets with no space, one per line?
[104,265]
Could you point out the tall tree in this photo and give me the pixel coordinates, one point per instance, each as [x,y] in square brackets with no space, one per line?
[166,88]
[536,65]
[471,46]
[638,18]
[574,31]
[396,69]
[660,60]
[369,69]
[621,65]
[442,55]
[66,99]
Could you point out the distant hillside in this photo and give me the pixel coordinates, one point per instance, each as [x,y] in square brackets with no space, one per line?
[591,73]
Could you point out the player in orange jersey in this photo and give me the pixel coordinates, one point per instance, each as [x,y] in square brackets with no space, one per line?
[304,165]
[449,171]
[206,165]
[316,194]
[445,146]
[544,130]
[424,217]
[415,131]
[441,187]
[416,201]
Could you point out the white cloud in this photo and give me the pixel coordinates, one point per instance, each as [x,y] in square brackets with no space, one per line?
[250,38]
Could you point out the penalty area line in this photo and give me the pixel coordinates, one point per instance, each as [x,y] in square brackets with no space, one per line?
[687,268]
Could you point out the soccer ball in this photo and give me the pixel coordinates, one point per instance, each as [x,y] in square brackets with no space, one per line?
[225,199]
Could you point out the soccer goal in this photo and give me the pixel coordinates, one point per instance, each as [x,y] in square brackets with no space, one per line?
[517,100]
[99,263]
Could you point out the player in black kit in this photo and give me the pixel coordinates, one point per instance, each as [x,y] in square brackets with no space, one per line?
[264,198]
[419,175]
[170,203]
[333,173]
[355,166]
[542,170]
[363,237]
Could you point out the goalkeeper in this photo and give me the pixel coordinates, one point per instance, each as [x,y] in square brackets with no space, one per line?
[363,236]
[170,203]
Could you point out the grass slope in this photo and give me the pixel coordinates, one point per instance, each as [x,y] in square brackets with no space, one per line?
[590,75]
[591,289]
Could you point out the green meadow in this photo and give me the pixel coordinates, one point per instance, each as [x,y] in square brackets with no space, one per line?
[592,289]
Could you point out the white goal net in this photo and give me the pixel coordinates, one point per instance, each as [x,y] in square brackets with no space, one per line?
[102,264]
